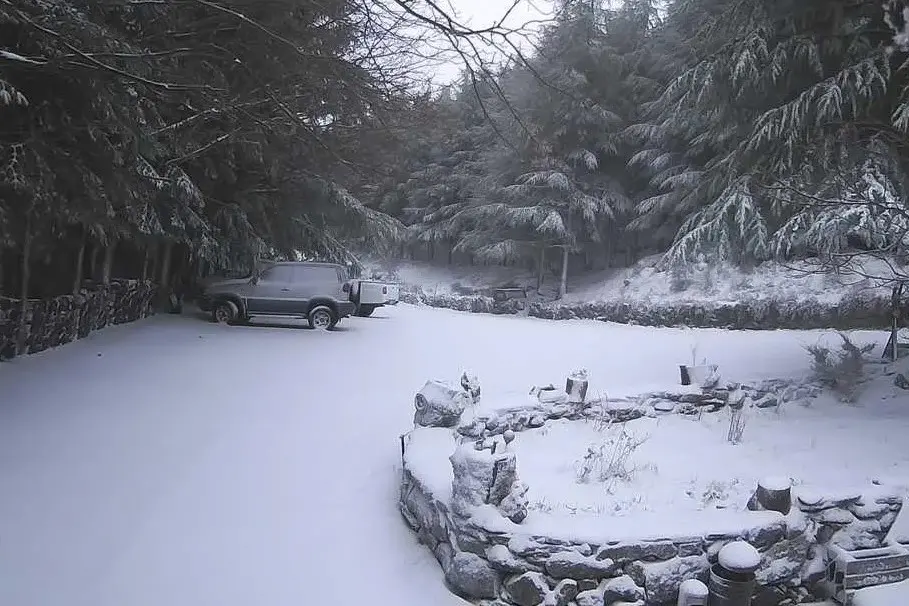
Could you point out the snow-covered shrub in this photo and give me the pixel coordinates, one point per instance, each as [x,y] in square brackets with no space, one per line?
[842,371]
[679,278]
[737,423]
[609,461]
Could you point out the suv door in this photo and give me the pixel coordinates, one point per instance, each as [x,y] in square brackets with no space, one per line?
[317,281]
[272,291]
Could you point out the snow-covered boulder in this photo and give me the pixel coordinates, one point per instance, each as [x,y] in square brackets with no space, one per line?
[471,577]
[439,404]
[528,589]
[483,477]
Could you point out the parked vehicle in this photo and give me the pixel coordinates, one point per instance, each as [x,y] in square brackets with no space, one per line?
[369,295]
[318,292]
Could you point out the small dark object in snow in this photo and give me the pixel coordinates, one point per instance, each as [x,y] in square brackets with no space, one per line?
[901,381]
[98,354]
[772,494]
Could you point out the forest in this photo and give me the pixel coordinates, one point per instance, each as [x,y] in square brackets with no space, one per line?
[140,138]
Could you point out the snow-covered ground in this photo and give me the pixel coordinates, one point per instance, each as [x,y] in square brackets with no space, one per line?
[177,462]
[647,281]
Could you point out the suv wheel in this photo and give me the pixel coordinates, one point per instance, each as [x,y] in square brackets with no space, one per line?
[225,312]
[322,318]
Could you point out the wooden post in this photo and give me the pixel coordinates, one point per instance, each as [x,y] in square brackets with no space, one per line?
[22,336]
[80,261]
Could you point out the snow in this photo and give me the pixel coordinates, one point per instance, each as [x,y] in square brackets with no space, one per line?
[646,281]
[894,594]
[739,556]
[173,461]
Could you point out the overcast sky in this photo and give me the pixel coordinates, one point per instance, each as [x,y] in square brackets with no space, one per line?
[483,13]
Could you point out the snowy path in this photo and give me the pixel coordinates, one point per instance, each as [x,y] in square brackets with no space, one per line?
[181,463]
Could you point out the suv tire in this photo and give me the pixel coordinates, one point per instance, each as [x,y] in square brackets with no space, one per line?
[224,312]
[322,317]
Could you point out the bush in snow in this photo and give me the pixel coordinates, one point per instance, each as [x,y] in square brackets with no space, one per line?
[843,371]
[736,425]
[610,460]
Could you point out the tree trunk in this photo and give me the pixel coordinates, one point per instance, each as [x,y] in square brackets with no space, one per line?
[80,262]
[450,252]
[109,251]
[145,260]
[22,336]
[563,283]
[1,271]
[93,262]
[540,270]
[165,263]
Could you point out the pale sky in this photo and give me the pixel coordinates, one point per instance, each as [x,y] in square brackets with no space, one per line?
[483,13]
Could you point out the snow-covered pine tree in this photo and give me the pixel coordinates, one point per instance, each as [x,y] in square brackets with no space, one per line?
[774,91]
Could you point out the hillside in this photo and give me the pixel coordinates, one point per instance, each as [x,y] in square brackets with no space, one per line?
[645,282]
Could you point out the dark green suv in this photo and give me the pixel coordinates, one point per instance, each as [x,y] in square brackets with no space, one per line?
[318,292]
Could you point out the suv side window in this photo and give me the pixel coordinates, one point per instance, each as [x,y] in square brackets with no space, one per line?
[278,273]
[316,274]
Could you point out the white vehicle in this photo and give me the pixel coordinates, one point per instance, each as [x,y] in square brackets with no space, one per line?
[368,295]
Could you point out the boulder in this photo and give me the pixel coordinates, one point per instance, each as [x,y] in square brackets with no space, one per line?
[564,592]
[643,550]
[573,565]
[439,404]
[661,580]
[471,577]
[502,559]
[528,589]
[591,597]
[622,588]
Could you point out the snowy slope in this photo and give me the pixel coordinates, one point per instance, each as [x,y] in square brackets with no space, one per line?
[176,462]
[646,281]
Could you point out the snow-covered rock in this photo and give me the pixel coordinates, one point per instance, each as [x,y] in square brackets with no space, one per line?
[573,565]
[528,589]
[471,577]
[739,556]
[621,588]
[439,404]
[661,580]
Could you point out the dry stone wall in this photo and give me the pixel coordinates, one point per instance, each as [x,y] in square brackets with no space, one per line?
[59,320]
[860,312]
[490,559]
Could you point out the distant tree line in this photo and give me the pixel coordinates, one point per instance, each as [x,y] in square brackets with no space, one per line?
[737,130]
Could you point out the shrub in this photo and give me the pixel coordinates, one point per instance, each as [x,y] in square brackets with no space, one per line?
[610,460]
[842,371]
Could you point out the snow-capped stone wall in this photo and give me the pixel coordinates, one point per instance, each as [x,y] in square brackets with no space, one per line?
[483,563]
[58,320]
[474,525]
[847,314]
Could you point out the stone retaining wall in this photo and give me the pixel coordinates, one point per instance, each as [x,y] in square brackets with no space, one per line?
[848,314]
[60,320]
[490,558]
[495,568]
